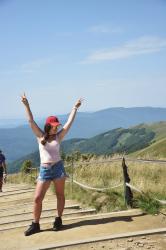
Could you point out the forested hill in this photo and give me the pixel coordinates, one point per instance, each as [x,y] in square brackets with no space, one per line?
[19,141]
[134,140]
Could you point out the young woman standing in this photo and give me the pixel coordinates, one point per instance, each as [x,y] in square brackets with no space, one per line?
[51,165]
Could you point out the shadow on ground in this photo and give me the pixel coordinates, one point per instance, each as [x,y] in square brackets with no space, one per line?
[97,222]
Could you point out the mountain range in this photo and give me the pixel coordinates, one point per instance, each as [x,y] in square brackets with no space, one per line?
[19,141]
[139,141]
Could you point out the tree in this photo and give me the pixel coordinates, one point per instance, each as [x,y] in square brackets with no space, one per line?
[63,155]
[26,167]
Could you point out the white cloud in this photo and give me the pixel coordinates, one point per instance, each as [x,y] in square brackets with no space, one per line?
[104,29]
[143,45]
[29,67]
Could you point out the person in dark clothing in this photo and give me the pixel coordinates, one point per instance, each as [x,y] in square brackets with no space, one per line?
[3,170]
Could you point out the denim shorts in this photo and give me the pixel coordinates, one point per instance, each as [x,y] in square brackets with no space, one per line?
[54,172]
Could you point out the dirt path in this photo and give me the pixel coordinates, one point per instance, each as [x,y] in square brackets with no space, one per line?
[16,206]
[155,242]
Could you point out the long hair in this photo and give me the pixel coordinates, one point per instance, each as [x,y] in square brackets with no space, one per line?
[47,128]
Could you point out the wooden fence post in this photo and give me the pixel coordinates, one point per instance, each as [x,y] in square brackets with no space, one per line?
[72,173]
[128,195]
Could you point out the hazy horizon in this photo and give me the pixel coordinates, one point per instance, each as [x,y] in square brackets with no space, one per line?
[24,117]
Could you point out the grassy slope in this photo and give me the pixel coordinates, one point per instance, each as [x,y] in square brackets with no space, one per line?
[115,141]
[156,150]
[159,128]
[158,147]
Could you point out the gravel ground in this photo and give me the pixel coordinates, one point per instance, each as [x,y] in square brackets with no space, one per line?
[155,242]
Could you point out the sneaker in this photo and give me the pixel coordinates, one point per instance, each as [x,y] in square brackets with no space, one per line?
[34,228]
[57,225]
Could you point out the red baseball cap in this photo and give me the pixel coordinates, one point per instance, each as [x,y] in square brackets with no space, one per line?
[53,120]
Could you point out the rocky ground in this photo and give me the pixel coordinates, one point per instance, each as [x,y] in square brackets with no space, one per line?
[153,242]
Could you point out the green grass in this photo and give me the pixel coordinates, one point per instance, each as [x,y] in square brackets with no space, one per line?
[149,205]
[100,172]
[155,150]
[23,178]
[149,178]
[103,202]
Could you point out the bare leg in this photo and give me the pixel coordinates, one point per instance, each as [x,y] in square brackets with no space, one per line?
[59,187]
[40,192]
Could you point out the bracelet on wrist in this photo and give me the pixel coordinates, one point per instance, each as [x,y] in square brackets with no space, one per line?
[75,108]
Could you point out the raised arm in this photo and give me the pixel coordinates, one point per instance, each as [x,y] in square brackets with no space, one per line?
[70,120]
[37,131]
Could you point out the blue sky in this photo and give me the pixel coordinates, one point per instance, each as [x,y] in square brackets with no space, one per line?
[111,53]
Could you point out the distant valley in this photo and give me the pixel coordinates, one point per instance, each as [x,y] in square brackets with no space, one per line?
[140,141]
[17,142]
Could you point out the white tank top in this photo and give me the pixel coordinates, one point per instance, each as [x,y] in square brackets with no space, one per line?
[50,152]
